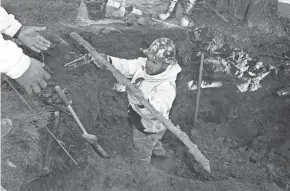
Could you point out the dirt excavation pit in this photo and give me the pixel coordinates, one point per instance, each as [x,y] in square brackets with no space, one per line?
[240,132]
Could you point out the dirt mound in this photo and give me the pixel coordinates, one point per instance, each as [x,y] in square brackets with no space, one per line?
[237,137]
[130,175]
[245,157]
[21,152]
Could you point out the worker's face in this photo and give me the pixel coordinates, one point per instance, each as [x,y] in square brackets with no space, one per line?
[154,67]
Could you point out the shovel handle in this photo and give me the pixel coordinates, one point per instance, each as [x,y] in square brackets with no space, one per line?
[66,102]
[198,88]
[62,95]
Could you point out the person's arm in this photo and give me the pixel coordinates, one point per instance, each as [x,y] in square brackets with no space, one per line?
[27,35]
[161,100]
[12,60]
[8,24]
[28,72]
[127,67]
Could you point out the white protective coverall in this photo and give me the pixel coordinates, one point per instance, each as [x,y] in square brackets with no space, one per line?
[160,91]
[13,62]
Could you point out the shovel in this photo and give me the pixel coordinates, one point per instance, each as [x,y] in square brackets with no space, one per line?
[91,139]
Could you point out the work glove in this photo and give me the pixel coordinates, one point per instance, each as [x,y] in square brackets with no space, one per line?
[29,37]
[101,66]
[34,78]
[132,99]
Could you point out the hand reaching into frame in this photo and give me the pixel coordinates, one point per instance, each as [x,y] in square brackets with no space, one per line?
[30,37]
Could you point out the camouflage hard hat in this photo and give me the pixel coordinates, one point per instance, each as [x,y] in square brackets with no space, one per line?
[162,50]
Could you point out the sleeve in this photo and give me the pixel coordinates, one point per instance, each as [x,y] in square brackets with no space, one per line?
[162,100]
[127,67]
[8,24]
[12,60]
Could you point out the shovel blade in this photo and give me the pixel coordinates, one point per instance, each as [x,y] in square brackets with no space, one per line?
[92,140]
[100,151]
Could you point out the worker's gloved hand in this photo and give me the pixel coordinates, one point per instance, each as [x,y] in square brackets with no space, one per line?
[34,78]
[89,138]
[103,56]
[30,37]
[132,99]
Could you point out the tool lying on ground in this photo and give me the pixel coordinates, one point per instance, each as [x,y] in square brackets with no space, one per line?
[100,62]
[198,88]
[92,139]
[85,58]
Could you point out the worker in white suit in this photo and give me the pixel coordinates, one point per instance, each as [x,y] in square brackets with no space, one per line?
[28,72]
[155,76]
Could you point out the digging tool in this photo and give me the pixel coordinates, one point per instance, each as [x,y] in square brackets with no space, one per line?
[92,139]
[100,62]
[198,88]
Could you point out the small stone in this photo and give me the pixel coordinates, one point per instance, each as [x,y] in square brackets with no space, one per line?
[34,102]
[205,148]
[276,128]
[228,140]
[248,98]
[242,149]
[255,143]
[194,132]
[196,168]
[221,139]
[114,189]
[234,143]
[254,159]
[288,171]
[262,152]
[239,160]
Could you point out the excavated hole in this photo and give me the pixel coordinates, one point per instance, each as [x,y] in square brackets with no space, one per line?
[103,112]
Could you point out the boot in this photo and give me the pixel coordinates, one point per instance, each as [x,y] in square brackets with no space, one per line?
[162,155]
[159,151]
[171,10]
[185,19]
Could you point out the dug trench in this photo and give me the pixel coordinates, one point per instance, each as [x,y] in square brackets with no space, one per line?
[238,132]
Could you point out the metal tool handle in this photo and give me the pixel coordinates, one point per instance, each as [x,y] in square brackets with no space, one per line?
[66,102]
[62,95]
[77,119]
[199,87]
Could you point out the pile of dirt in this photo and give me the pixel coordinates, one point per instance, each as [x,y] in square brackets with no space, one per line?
[240,133]
[246,157]
[265,21]
[233,153]
[21,152]
[121,174]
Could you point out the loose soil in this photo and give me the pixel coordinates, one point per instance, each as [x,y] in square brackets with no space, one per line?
[239,133]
